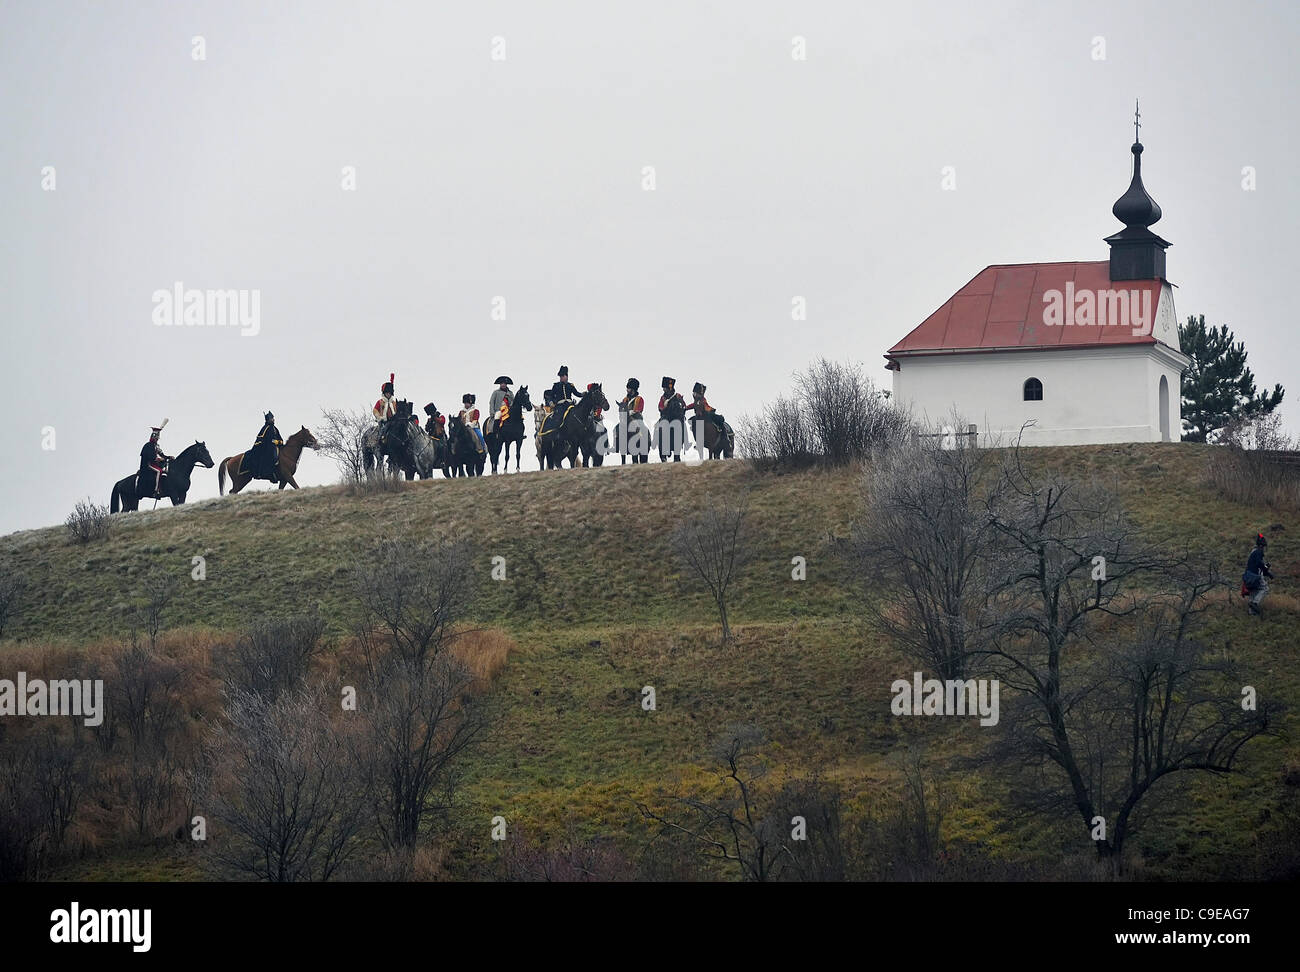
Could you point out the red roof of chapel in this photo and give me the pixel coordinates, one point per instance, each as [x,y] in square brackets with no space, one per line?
[1002,308]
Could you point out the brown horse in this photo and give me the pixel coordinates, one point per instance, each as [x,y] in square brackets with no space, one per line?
[289,453]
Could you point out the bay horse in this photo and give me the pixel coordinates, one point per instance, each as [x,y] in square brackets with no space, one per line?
[289,454]
[466,460]
[721,443]
[175,480]
[511,430]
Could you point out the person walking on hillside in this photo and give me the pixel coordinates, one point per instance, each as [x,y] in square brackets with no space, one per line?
[1257,575]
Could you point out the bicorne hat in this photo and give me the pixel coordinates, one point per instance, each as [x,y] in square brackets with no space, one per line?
[563,372]
[503,380]
[268,417]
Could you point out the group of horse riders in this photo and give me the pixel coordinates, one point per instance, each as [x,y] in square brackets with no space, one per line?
[262,459]
[561,395]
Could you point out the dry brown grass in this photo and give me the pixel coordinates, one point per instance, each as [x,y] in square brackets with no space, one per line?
[484,652]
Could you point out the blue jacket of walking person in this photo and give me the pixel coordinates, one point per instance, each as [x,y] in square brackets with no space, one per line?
[1255,563]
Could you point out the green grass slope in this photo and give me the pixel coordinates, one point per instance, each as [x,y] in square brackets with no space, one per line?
[598,609]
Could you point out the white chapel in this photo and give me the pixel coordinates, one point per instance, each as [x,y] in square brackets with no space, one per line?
[1086,352]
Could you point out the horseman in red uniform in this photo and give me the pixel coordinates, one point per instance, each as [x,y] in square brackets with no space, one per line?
[153,462]
[386,407]
[436,423]
[702,407]
[469,414]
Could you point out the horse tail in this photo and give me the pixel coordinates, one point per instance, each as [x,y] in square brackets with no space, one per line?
[113,500]
[221,478]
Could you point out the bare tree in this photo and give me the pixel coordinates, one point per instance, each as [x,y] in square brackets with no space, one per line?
[158,589]
[923,549]
[24,837]
[420,714]
[716,545]
[341,439]
[1110,725]
[290,803]
[731,828]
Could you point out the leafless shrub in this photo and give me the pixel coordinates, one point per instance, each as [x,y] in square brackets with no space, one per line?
[377,482]
[814,807]
[779,436]
[340,439]
[1256,462]
[835,416]
[145,698]
[716,544]
[43,780]
[274,654]
[87,522]
[413,594]
[566,859]
[290,800]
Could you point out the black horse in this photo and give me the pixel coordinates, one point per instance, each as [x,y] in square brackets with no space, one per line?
[175,481]
[466,460]
[510,430]
[670,430]
[594,444]
[566,429]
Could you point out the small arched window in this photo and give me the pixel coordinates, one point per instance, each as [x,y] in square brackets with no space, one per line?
[1033,390]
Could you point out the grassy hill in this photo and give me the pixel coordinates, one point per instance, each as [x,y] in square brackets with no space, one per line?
[595,608]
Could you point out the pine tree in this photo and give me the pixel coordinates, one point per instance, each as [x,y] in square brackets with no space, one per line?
[1218,388]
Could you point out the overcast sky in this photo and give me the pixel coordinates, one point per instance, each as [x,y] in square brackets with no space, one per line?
[524,178]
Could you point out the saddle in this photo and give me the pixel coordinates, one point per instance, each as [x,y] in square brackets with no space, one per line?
[549,426]
[150,494]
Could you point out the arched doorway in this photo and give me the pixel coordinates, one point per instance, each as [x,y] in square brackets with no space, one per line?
[1164,408]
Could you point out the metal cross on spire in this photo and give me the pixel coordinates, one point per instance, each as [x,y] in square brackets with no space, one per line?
[1137,121]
